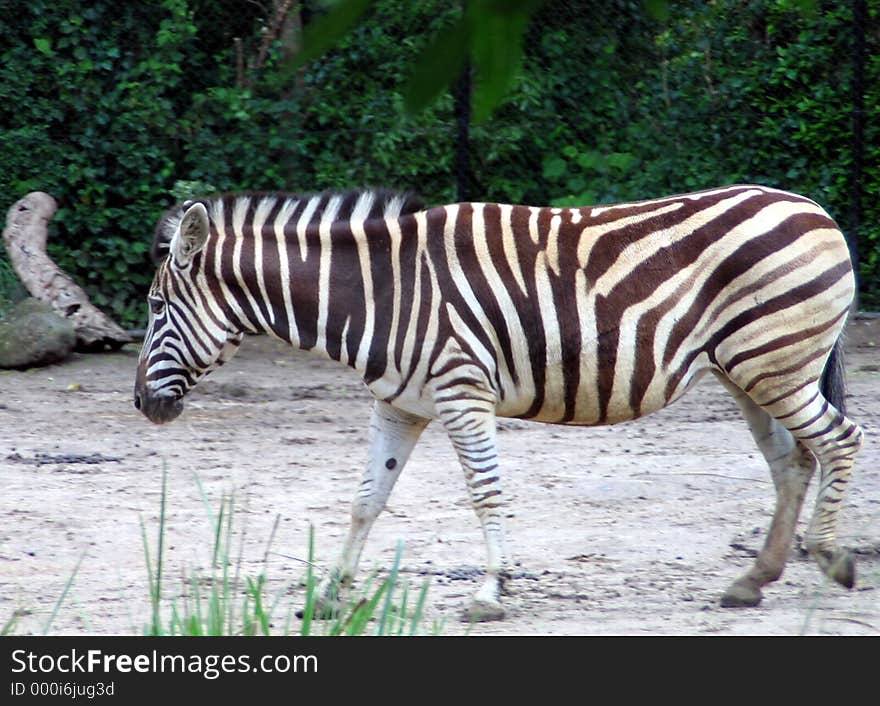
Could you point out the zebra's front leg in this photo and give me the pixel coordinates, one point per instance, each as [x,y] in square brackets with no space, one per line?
[393,434]
[470,424]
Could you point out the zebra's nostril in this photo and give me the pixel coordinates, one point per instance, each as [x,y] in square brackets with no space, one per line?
[137,401]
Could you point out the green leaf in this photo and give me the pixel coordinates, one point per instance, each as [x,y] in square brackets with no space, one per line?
[808,7]
[437,67]
[502,6]
[589,160]
[623,161]
[497,50]
[323,33]
[44,46]
[657,9]
[553,167]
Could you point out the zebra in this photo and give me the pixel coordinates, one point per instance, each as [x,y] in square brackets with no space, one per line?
[467,312]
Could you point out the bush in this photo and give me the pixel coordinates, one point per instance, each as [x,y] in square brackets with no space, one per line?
[107,106]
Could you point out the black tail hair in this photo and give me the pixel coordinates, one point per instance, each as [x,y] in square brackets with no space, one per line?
[833,383]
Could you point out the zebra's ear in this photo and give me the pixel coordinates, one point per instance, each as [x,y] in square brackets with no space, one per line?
[190,235]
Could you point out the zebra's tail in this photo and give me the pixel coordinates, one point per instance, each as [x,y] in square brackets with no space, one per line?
[833,383]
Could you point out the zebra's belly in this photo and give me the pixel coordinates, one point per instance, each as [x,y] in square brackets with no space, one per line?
[559,413]
[589,407]
[414,399]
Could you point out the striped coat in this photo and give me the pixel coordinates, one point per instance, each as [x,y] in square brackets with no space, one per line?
[587,316]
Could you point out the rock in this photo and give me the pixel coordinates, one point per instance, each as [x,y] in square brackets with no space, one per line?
[32,334]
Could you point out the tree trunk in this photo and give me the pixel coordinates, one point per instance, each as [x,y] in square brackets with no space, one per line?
[25,238]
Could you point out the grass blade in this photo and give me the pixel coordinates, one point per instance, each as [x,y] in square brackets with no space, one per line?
[391,583]
[309,608]
[63,595]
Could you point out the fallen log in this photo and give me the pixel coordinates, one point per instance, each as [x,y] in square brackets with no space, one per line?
[25,238]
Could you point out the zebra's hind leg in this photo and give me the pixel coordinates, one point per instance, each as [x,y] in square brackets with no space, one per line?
[393,434]
[469,419]
[791,466]
[834,440]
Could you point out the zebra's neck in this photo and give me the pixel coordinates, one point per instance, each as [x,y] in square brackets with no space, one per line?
[274,264]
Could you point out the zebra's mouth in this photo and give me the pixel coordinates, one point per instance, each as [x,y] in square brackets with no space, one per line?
[158,409]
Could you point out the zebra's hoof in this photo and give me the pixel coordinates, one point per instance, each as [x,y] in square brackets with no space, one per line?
[843,569]
[483,612]
[741,595]
[324,609]
[839,565]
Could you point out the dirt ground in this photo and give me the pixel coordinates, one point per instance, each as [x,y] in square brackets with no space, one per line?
[632,529]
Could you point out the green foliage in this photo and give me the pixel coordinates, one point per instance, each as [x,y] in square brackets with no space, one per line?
[721,92]
[327,31]
[9,285]
[85,111]
[119,109]
[487,33]
[729,91]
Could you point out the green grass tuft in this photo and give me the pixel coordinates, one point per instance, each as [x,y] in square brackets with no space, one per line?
[224,603]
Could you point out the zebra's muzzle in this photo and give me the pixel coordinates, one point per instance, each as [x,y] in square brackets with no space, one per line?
[159,409]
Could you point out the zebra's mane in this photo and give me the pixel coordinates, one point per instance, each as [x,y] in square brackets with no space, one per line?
[364,203]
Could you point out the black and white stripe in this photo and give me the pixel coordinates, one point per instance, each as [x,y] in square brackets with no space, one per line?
[584,316]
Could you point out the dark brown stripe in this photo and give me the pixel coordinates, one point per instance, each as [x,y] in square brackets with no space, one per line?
[643,280]
[799,408]
[817,434]
[613,242]
[782,342]
[791,298]
[606,352]
[812,420]
[495,246]
[272,272]
[469,261]
[789,393]
[249,264]
[406,286]
[449,291]
[304,283]
[345,296]
[526,304]
[742,259]
[484,481]
[426,301]
[565,296]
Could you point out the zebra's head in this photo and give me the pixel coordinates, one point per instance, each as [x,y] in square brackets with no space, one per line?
[186,337]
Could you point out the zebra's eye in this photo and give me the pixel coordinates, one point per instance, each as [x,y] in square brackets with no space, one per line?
[157,305]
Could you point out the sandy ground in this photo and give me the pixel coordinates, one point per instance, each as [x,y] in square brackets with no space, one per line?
[633,529]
